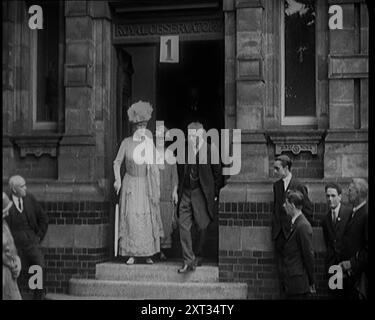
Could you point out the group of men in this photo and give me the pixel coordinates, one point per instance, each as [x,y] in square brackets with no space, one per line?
[345,231]
[28,224]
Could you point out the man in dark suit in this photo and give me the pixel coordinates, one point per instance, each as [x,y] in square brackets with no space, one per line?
[198,192]
[280,220]
[354,251]
[333,226]
[298,254]
[28,224]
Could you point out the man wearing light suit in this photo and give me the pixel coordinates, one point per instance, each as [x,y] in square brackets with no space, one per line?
[198,192]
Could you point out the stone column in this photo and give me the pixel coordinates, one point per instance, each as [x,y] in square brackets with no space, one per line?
[346,146]
[250,89]
[77,148]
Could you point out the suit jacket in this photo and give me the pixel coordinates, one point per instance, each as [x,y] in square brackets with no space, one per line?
[333,235]
[38,219]
[280,219]
[209,179]
[298,260]
[355,242]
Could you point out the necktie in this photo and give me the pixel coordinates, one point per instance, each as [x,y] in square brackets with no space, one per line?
[20,207]
[334,217]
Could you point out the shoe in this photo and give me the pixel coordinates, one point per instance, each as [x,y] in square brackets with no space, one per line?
[149,261]
[162,257]
[186,268]
[131,260]
[198,261]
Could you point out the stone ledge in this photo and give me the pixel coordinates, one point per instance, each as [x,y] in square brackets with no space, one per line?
[346,136]
[63,191]
[78,140]
[37,145]
[260,190]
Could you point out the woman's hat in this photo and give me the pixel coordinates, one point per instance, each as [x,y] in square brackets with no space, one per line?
[6,204]
[140,112]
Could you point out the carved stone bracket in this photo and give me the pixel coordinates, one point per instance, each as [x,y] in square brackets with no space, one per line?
[296,142]
[37,145]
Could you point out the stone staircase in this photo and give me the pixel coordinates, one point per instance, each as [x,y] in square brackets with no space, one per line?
[118,281]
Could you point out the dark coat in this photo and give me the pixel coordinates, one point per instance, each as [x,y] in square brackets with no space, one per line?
[333,235]
[298,261]
[280,219]
[210,181]
[38,219]
[355,242]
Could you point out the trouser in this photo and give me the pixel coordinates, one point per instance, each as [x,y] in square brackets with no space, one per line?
[30,254]
[279,256]
[192,208]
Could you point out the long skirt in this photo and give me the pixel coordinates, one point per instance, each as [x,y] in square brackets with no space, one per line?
[139,233]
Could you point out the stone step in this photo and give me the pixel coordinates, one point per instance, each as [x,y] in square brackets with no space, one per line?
[157,290]
[61,296]
[158,272]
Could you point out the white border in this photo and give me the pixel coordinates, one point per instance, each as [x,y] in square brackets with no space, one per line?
[291,120]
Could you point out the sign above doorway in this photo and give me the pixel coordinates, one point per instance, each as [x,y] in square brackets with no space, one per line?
[169,49]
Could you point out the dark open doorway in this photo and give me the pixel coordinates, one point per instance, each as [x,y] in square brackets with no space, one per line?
[191,90]
[198,79]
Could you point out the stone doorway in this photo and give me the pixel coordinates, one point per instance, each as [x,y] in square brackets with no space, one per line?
[140,76]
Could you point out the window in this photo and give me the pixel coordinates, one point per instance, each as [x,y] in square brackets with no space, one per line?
[47,68]
[298,101]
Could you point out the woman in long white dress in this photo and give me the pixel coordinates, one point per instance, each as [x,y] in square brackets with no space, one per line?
[140,226]
[11,260]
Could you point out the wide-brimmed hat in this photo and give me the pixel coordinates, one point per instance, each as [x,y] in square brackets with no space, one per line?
[140,112]
[7,204]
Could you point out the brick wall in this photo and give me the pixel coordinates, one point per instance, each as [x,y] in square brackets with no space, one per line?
[258,267]
[63,263]
[304,165]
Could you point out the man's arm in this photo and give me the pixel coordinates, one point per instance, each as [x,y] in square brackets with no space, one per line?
[216,171]
[359,261]
[305,238]
[42,219]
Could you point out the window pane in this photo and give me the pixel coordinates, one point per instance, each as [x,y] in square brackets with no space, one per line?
[48,46]
[299,58]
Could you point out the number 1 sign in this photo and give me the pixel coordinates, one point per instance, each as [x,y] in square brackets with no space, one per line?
[169,49]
